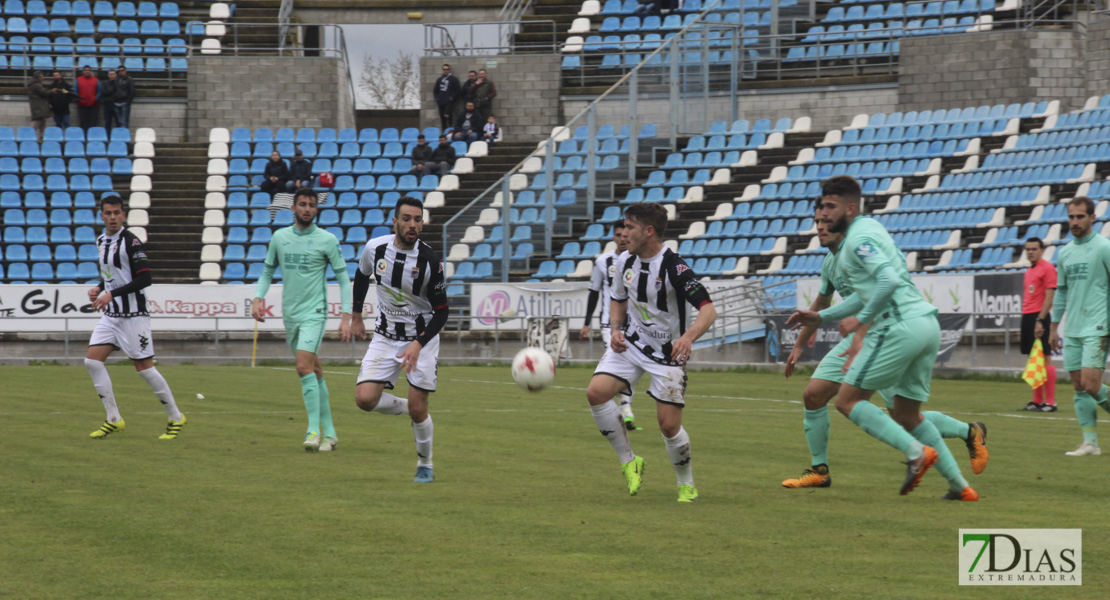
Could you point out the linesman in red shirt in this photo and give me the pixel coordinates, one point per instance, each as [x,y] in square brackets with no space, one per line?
[1038,289]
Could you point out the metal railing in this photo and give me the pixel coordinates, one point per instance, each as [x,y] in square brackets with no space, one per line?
[284,13]
[512,12]
[546,151]
[487,37]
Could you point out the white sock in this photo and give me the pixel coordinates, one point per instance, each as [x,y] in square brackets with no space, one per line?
[678,448]
[625,404]
[423,433]
[103,385]
[161,389]
[608,419]
[392,405]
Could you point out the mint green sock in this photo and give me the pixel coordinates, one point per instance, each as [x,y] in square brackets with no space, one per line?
[1103,398]
[1087,414]
[311,391]
[927,434]
[325,409]
[946,425]
[879,425]
[817,435]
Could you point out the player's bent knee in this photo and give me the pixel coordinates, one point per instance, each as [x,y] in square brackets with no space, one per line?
[367,399]
[815,396]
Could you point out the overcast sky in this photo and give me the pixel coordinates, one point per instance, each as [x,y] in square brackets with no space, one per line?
[387,40]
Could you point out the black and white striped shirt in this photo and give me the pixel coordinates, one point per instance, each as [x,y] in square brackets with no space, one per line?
[410,286]
[121,259]
[657,291]
[601,281]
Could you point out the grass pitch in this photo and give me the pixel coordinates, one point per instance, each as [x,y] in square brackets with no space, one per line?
[529,501]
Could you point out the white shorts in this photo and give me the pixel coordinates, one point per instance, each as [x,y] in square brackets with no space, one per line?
[381,365]
[668,384]
[130,334]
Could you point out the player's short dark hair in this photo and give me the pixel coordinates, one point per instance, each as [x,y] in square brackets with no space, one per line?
[1036,240]
[1084,201]
[305,193]
[844,186]
[649,214]
[408,201]
[112,199]
[618,224]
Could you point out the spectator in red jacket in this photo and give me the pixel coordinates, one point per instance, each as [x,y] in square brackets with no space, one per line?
[88,103]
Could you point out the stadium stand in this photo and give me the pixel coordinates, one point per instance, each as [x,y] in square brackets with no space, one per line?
[49,194]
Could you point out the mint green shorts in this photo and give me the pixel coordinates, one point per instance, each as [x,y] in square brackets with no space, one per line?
[829,369]
[1085,353]
[305,335]
[898,358]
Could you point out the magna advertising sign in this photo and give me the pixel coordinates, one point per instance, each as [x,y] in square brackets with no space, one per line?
[171,307]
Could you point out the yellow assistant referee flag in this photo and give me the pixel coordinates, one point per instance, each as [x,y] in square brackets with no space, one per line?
[1035,373]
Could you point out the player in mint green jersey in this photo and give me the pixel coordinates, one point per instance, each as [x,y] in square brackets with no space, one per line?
[895,343]
[1083,294]
[827,377]
[304,251]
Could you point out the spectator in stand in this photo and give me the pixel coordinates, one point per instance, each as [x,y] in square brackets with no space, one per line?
[468,124]
[110,94]
[484,92]
[491,130]
[657,8]
[300,172]
[467,90]
[446,91]
[126,97]
[275,175]
[61,95]
[88,103]
[40,104]
[443,158]
[1039,288]
[421,153]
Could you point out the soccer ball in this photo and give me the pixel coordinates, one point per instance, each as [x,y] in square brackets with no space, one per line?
[533,369]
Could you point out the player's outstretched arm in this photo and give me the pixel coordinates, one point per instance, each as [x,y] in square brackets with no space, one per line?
[819,303]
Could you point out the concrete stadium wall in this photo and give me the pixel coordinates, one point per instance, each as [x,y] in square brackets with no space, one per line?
[996,67]
[527,102]
[165,115]
[267,91]
[829,108]
[1098,58]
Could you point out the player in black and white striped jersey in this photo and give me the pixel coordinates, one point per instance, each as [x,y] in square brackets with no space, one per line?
[601,283]
[412,308]
[124,274]
[658,285]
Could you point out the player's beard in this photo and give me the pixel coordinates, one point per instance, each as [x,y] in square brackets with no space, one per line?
[839,226]
[403,240]
[304,224]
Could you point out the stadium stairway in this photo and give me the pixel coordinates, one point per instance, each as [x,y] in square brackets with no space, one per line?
[262,39]
[535,34]
[177,211]
[502,157]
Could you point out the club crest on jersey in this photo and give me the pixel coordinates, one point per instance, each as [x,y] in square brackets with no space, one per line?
[865,251]
[628,276]
[381,265]
[658,283]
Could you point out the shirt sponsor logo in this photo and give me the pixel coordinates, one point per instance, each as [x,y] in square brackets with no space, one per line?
[865,251]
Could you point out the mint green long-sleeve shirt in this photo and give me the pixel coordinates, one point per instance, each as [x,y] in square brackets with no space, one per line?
[1083,287]
[870,264]
[304,256]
